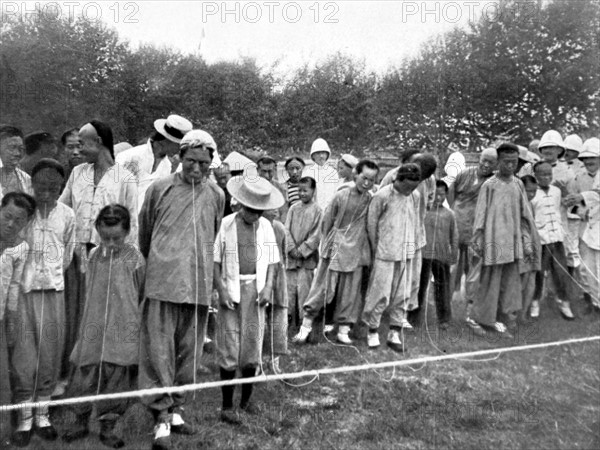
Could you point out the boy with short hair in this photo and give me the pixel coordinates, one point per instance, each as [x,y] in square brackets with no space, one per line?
[440,252]
[344,253]
[549,222]
[529,267]
[392,225]
[303,226]
[36,360]
[502,236]
[245,263]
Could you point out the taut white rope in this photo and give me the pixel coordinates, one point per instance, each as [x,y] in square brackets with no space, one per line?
[306,373]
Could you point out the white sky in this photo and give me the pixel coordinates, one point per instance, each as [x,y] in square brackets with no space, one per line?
[380,33]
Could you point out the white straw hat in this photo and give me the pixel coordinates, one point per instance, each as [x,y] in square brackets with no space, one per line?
[173,127]
[256,193]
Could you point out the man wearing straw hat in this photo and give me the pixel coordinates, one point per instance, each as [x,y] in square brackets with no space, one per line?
[150,161]
[178,222]
[246,259]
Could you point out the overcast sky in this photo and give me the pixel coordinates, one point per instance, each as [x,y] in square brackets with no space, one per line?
[380,33]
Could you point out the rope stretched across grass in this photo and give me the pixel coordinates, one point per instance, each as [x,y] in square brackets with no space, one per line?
[287,376]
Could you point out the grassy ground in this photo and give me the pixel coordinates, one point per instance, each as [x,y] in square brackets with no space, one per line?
[548,398]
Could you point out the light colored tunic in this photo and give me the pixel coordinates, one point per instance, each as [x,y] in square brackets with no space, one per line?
[111,312]
[346,247]
[548,219]
[462,198]
[177,270]
[304,226]
[139,161]
[504,220]
[51,242]
[226,253]
[12,263]
[116,186]
[393,224]
[23,182]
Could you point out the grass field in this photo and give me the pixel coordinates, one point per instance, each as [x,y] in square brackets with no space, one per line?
[546,399]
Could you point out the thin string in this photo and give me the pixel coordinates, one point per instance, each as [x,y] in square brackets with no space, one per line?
[196,282]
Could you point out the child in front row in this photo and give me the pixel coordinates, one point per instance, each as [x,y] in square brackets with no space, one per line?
[303,224]
[108,362]
[440,252]
[16,211]
[549,222]
[37,355]
[530,266]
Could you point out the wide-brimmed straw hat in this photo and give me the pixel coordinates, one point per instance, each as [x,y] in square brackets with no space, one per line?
[256,193]
[173,127]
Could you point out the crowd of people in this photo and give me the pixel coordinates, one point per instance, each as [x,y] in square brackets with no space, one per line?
[115,266]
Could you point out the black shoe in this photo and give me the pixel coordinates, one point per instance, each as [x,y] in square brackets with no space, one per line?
[47,433]
[185,429]
[21,438]
[162,443]
[108,436]
[250,408]
[230,416]
[76,433]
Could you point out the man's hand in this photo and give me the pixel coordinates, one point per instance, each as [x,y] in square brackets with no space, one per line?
[264,298]
[529,251]
[477,244]
[225,300]
[573,199]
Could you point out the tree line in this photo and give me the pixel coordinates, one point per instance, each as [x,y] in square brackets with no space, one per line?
[510,78]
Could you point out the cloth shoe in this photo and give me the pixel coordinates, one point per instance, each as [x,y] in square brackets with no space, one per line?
[108,436]
[534,311]
[162,436]
[22,434]
[179,426]
[43,427]
[373,339]
[304,332]
[328,328]
[406,324]
[342,335]
[394,342]
[477,329]
[565,310]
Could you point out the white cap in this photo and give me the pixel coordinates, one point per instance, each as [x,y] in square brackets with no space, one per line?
[591,149]
[574,142]
[319,145]
[197,138]
[351,160]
